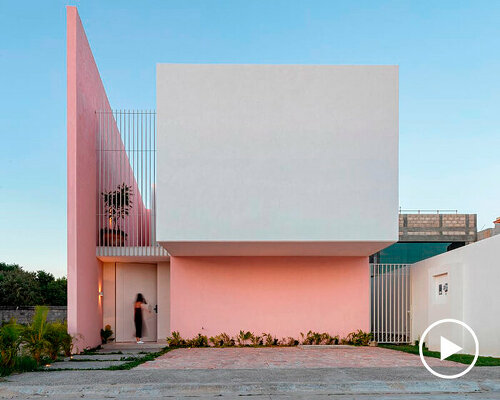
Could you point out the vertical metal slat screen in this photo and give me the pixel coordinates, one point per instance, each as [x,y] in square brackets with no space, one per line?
[390,303]
[126,169]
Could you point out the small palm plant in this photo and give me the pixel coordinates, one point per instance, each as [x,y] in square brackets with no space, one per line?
[67,343]
[176,340]
[10,339]
[55,335]
[244,337]
[34,334]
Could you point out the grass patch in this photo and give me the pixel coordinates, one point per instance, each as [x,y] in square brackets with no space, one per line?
[22,364]
[460,358]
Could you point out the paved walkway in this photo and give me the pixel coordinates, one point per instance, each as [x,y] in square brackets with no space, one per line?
[111,354]
[264,373]
[289,357]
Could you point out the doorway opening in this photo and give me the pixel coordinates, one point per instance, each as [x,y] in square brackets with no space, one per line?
[132,279]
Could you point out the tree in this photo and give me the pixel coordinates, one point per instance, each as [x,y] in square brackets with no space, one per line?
[57,292]
[19,288]
[22,288]
[4,267]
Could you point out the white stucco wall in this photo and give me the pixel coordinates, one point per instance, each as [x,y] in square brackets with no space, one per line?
[473,296]
[276,154]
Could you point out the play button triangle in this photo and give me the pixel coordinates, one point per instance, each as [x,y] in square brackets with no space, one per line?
[448,348]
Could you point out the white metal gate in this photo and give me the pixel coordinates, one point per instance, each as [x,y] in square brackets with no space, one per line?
[390,303]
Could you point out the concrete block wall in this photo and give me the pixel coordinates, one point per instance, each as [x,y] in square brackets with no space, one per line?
[437,228]
[23,315]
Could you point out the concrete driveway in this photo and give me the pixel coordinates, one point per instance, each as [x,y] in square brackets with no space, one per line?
[290,357]
[274,373]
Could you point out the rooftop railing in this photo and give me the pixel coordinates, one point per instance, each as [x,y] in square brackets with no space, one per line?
[401,211]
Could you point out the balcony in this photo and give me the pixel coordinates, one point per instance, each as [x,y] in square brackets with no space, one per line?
[126,181]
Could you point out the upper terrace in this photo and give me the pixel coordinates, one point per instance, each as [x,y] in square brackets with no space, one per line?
[126,182]
[437,226]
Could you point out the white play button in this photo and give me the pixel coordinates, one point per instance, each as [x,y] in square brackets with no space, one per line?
[448,348]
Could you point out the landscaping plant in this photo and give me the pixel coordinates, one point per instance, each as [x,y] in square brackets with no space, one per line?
[10,340]
[176,340]
[358,338]
[67,343]
[36,341]
[269,340]
[244,337]
[106,333]
[222,340]
[34,334]
[55,335]
[256,340]
[198,341]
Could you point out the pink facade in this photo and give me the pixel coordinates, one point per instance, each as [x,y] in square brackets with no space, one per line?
[283,295]
[86,96]
[279,295]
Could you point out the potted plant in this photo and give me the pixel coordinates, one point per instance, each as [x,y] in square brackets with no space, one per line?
[117,204]
[106,334]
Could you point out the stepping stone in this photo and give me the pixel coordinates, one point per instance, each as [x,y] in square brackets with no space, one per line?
[100,357]
[83,364]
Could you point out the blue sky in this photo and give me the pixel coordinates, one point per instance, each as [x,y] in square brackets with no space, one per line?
[448,53]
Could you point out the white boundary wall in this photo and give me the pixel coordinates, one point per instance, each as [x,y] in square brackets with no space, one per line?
[472,275]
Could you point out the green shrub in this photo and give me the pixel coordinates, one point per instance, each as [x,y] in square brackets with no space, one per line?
[222,340]
[10,339]
[289,341]
[310,338]
[67,342]
[55,335]
[176,340]
[328,339]
[106,333]
[244,337]
[256,340]
[269,340]
[34,334]
[358,338]
[198,341]
[21,364]
[25,364]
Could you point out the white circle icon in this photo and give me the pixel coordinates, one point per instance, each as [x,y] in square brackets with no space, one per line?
[448,348]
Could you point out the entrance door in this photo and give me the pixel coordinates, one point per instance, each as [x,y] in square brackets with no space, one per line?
[130,280]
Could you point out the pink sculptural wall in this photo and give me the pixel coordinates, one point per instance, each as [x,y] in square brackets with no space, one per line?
[279,295]
[85,96]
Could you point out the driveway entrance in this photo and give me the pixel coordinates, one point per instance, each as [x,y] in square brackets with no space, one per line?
[289,357]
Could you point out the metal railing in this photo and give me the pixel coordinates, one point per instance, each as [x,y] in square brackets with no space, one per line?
[126,179]
[390,303]
[401,211]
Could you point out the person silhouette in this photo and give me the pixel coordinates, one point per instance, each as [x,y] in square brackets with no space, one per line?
[138,321]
